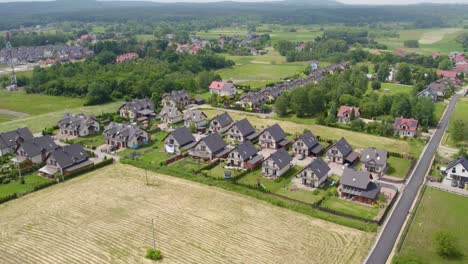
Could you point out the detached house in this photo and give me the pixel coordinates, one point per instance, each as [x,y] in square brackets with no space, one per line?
[66,160]
[251,100]
[452,75]
[345,113]
[315,174]
[138,108]
[210,147]
[457,171]
[374,160]
[307,144]
[196,118]
[277,164]
[273,137]
[78,125]
[241,131]
[244,156]
[357,186]
[221,123]
[35,150]
[125,136]
[341,152]
[223,88]
[406,127]
[171,115]
[178,99]
[9,141]
[178,140]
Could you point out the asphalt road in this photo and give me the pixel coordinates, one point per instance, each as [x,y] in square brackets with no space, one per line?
[391,230]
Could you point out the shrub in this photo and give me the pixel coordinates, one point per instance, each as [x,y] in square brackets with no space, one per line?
[315,192]
[445,244]
[6,181]
[153,254]
[332,191]
[376,85]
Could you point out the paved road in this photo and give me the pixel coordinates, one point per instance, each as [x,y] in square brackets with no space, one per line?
[391,230]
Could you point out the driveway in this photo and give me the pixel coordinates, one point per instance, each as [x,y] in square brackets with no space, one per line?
[445,186]
[302,163]
[266,152]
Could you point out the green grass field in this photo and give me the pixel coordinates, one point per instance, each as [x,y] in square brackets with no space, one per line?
[398,167]
[270,185]
[31,181]
[90,141]
[351,208]
[437,210]
[393,88]
[460,113]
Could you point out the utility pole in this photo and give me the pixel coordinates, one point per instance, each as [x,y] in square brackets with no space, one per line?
[154,239]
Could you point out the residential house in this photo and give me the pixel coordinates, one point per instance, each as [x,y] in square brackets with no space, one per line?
[399,52]
[179,140]
[357,186]
[137,108]
[78,125]
[452,75]
[276,164]
[406,127]
[341,152]
[223,88]
[314,65]
[221,123]
[178,99]
[437,90]
[273,137]
[210,148]
[196,118]
[126,57]
[35,150]
[457,171]
[125,136]
[374,160]
[10,140]
[171,115]
[66,160]
[244,156]
[251,100]
[241,131]
[345,114]
[315,174]
[308,145]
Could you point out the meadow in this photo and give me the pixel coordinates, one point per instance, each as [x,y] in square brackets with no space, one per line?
[460,113]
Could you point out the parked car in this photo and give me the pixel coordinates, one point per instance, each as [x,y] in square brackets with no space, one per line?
[461,185]
[300,156]
[454,183]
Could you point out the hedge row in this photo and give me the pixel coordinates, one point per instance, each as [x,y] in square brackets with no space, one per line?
[14,173]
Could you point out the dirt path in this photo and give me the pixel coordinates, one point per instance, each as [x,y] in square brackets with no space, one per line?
[14,113]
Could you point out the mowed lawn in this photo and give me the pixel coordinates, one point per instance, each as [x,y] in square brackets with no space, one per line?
[437,210]
[393,88]
[460,113]
[31,181]
[351,208]
[398,167]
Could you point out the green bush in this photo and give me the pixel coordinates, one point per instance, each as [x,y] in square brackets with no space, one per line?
[332,191]
[6,181]
[315,192]
[153,254]
[445,244]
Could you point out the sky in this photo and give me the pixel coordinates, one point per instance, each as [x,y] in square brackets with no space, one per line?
[359,2]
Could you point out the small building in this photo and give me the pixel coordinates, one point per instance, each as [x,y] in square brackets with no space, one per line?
[374,160]
[357,186]
[126,57]
[314,65]
[457,171]
[137,108]
[171,115]
[125,136]
[345,114]
[79,125]
[210,148]
[244,156]
[405,127]
[66,160]
[437,90]
[341,152]
[223,88]
[178,99]
[221,123]
[308,145]
[196,118]
[273,137]
[35,150]
[452,75]
[276,164]
[315,174]
[9,141]
[178,140]
[241,131]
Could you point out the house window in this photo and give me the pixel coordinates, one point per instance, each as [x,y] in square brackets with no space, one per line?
[171,141]
[203,148]
[454,170]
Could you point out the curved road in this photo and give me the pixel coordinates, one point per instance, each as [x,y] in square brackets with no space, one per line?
[390,231]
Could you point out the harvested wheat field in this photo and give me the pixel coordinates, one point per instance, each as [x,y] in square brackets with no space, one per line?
[105,217]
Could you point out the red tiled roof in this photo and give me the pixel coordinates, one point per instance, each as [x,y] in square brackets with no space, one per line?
[217,85]
[399,52]
[447,74]
[126,57]
[462,66]
[460,57]
[347,109]
[406,124]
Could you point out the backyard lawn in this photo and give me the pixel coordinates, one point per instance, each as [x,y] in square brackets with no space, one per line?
[308,196]
[398,167]
[31,181]
[90,141]
[351,208]
[438,210]
[270,185]
[393,88]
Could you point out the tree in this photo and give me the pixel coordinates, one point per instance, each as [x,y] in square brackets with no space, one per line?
[404,74]
[300,102]
[411,43]
[384,72]
[445,244]
[376,85]
[98,93]
[457,130]
[445,64]
[192,128]
[105,57]
[282,105]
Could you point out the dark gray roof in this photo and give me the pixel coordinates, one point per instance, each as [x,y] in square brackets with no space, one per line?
[246,150]
[245,127]
[460,160]
[9,139]
[214,142]
[178,96]
[194,115]
[343,146]
[137,105]
[375,156]
[355,179]
[319,167]
[223,119]
[281,157]
[35,146]
[182,135]
[309,139]
[70,121]
[170,112]
[121,132]
[276,132]
[70,155]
